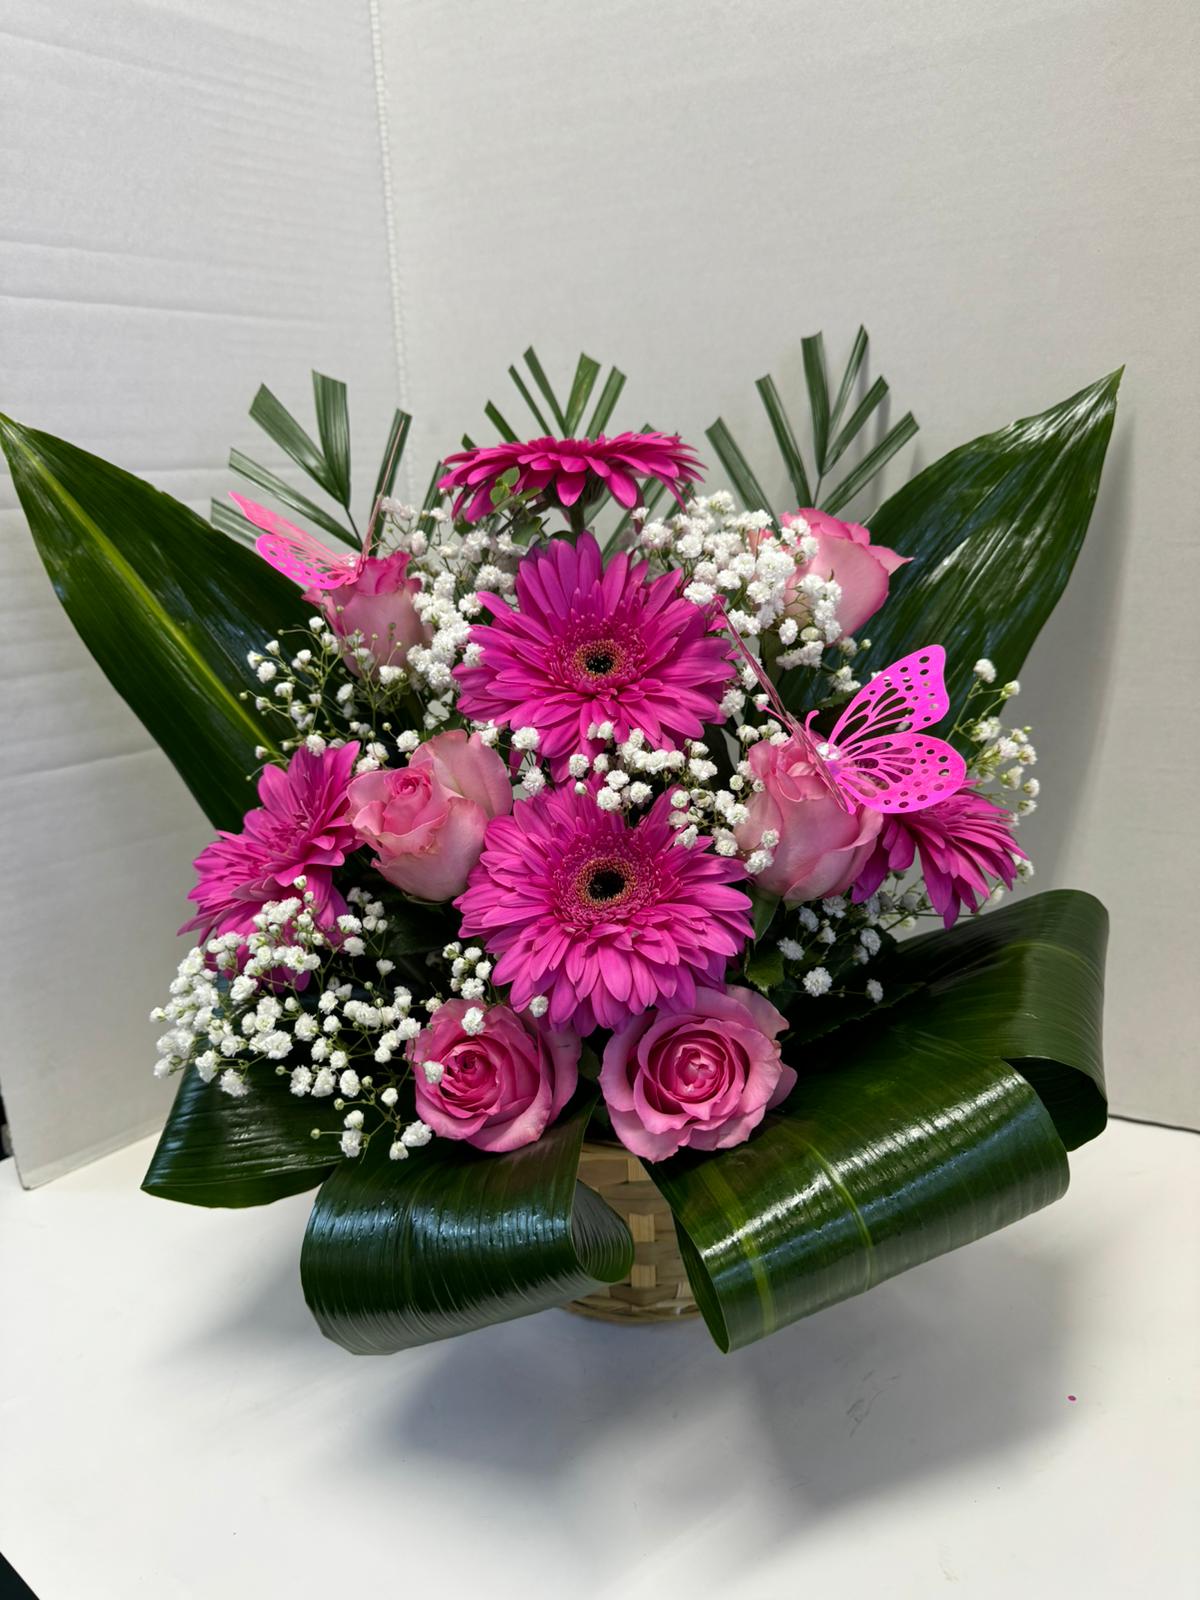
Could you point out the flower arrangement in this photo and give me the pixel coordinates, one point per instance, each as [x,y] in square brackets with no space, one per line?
[592,803]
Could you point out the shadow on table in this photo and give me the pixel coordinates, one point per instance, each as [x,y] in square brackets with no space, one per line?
[957,1361]
[948,1363]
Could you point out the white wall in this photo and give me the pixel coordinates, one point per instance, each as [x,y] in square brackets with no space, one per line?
[191,205]
[1005,195]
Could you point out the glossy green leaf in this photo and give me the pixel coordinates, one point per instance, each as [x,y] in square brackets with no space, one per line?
[586,373]
[278,423]
[872,463]
[607,403]
[911,1132]
[831,436]
[785,438]
[220,1151]
[433,495]
[898,1156]
[547,392]
[167,605]
[282,490]
[493,415]
[854,365]
[226,518]
[994,527]
[399,1253]
[741,475]
[523,390]
[333,426]
[1026,982]
[813,351]
[393,454]
[857,420]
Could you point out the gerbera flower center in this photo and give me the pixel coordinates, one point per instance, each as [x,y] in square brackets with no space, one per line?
[604,883]
[599,659]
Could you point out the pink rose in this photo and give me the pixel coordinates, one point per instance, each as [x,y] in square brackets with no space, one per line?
[379,605]
[426,821]
[498,1089]
[844,552]
[703,1076]
[821,848]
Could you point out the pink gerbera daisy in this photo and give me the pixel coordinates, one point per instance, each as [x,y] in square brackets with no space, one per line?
[963,841]
[602,918]
[302,829]
[570,470]
[589,644]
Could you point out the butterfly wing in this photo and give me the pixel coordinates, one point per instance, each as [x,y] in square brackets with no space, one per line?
[294,552]
[881,756]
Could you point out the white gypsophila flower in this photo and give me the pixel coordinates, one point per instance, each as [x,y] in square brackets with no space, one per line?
[348,1083]
[874,990]
[324,1083]
[233,1083]
[790,950]
[984,670]
[473,1020]
[870,941]
[301,1081]
[398,1151]
[527,738]
[538,1006]
[416,1135]
[817,981]
[353,1119]
[351,1142]
[433,1071]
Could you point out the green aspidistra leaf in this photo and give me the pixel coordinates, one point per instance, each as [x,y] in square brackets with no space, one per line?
[222,1150]
[1026,982]
[910,1131]
[168,606]
[399,1253]
[994,529]
[895,1156]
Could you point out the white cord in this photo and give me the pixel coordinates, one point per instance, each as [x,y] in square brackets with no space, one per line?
[389,220]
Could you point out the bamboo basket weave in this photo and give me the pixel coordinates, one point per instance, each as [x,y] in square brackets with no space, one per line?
[656,1290]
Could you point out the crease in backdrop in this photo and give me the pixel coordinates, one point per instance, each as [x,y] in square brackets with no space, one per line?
[407,194]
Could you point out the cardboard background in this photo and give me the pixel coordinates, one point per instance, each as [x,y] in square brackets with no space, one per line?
[200,202]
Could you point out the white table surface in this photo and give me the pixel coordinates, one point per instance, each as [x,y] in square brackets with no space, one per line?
[172,1424]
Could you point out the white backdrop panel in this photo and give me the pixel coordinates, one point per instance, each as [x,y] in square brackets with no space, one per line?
[1004,194]
[192,204]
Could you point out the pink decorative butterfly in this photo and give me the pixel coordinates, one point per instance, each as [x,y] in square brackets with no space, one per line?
[877,755]
[297,554]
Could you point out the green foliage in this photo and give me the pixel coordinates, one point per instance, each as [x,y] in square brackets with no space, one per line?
[167,605]
[994,529]
[911,1133]
[831,435]
[218,1150]
[327,463]
[401,1253]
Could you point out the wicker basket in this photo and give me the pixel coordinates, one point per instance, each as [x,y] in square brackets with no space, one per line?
[656,1290]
